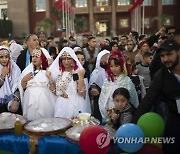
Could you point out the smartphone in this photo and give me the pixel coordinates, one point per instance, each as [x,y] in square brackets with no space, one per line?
[75,77]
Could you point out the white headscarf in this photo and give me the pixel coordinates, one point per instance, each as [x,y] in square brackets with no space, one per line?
[11,81]
[15,50]
[54,68]
[98,75]
[77,49]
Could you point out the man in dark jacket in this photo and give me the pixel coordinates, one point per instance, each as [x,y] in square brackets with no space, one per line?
[166,87]
[24,58]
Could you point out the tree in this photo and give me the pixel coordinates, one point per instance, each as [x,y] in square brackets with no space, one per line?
[80,24]
[46,25]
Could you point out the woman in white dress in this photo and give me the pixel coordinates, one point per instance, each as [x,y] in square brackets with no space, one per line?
[37,99]
[116,79]
[9,75]
[68,75]
[96,81]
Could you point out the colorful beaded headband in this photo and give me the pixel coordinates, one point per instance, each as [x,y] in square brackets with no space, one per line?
[65,55]
[36,53]
[4,51]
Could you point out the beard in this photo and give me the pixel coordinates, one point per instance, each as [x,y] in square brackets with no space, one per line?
[171,65]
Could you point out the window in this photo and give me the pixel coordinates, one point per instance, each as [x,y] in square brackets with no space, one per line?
[146,23]
[123,2]
[102,2]
[124,23]
[3,1]
[167,2]
[3,13]
[147,2]
[81,3]
[40,5]
[168,21]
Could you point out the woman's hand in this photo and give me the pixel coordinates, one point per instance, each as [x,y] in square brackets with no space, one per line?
[14,106]
[5,71]
[94,92]
[28,77]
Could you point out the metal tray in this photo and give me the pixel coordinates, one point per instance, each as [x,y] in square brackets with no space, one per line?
[74,133]
[8,119]
[48,125]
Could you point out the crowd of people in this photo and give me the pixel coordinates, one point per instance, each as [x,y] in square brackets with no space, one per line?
[116,80]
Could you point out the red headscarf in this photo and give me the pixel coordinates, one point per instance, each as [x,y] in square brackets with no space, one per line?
[114,55]
[141,43]
[44,61]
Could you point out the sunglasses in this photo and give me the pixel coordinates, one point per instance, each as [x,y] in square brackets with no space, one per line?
[171,33]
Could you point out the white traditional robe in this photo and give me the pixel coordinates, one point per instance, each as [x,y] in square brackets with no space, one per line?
[99,74]
[68,107]
[37,100]
[71,106]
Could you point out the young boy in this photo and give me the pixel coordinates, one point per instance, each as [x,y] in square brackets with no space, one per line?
[143,69]
[138,82]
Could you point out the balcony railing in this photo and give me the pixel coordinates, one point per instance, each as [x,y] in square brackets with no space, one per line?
[81,10]
[101,9]
[123,8]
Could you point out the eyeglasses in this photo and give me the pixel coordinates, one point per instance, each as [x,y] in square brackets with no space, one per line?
[170,33]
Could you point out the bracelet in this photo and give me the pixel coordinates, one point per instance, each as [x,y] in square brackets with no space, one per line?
[2,77]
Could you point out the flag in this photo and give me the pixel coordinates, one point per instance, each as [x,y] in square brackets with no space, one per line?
[136,4]
[63,5]
[58,4]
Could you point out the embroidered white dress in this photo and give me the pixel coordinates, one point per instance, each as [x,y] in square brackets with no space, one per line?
[68,107]
[106,100]
[37,100]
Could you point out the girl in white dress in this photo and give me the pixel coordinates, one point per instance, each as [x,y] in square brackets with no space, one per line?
[68,75]
[37,99]
[116,79]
